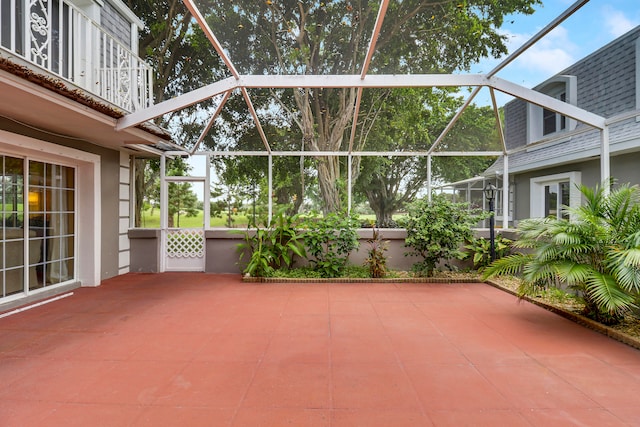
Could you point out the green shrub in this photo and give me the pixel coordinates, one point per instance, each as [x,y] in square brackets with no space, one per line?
[272,247]
[329,240]
[437,229]
[480,249]
[596,253]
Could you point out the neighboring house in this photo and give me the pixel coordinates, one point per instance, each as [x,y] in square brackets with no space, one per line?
[550,154]
[68,71]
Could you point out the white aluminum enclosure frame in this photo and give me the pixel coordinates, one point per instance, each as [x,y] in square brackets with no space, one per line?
[364,80]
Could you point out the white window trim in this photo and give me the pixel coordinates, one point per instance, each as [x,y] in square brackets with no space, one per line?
[535,112]
[88,196]
[537,185]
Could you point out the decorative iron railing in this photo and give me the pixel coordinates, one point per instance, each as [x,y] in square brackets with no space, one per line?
[57,36]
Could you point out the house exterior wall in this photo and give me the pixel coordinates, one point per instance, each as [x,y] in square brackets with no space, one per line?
[625,167]
[606,82]
[515,117]
[115,24]
[109,197]
[606,78]
[607,86]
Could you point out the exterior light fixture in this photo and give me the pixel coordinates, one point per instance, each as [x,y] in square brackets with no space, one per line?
[490,195]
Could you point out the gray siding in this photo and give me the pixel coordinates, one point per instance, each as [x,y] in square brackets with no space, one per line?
[624,167]
[115,24]
[515,132]
[606,86]
[606,79]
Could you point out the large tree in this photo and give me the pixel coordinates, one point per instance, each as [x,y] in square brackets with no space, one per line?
[411,119]
[331,37]
[182,59]
[476,130]
[406,120]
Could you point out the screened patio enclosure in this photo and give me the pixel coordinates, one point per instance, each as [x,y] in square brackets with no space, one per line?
[283,59]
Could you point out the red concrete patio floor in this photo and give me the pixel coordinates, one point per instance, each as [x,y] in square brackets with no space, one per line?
[195,349]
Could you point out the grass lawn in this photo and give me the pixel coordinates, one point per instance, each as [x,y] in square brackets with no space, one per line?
[152,220]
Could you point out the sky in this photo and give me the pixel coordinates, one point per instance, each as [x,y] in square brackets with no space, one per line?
[590,28]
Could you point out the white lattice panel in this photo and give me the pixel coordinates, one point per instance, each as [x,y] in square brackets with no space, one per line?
[185,243]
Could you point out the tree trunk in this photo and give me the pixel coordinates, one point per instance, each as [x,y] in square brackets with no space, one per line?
[328,175]
[381,209]
[323,131]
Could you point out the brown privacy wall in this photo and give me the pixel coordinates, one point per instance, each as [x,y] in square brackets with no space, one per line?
[222,255]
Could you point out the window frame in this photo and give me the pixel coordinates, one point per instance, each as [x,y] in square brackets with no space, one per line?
[538,185]
[563,88]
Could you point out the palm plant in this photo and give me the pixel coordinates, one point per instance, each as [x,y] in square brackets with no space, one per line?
[597,252]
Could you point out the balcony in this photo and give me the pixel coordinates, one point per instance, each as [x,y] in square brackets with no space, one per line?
[59,38]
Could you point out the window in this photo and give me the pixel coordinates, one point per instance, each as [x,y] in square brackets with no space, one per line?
[542,122]
[51,198]
[12,237]
[553,122]
[552,194]
[556,199]
[38,224]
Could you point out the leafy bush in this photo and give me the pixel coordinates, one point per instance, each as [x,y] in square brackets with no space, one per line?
[480,249]
[330,239]
[596,253]
[272,247]
[437,229]
[376,258]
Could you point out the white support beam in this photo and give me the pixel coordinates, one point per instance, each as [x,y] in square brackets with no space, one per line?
[455,118]
[533,40]
[374,37]
[313,154]
[605,166]
[256,120]
[370,81]
[349,183]
[298,81]
[177,103]
[354,125]
[548,102]
[270,185]
[164,212]
[505,193]
[212,38]
[207,194]
[496,111]
[207,128]
[429,177]
[466,153]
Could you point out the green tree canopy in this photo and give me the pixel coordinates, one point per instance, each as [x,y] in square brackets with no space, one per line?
[410,119]
[331,37]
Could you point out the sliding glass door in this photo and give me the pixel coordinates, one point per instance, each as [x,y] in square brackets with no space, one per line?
[46,206]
